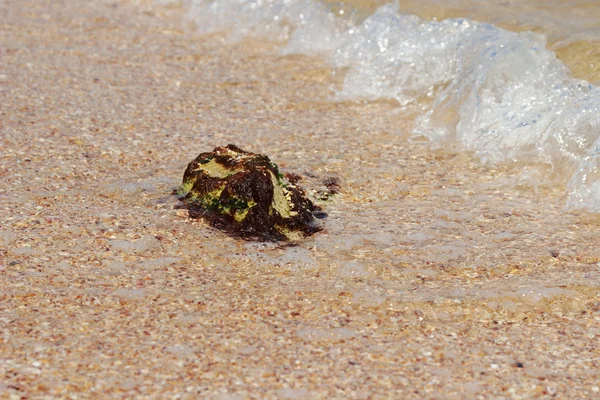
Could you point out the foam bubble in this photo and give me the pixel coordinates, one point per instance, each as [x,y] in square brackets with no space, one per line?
[398,57]
[501,94]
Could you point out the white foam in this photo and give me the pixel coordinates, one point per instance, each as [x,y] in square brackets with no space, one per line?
[501,94]
[398,57]
[306,26]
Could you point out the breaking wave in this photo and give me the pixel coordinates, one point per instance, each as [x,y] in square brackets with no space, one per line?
[500,94]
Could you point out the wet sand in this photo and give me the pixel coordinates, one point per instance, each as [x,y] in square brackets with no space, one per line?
[435,276]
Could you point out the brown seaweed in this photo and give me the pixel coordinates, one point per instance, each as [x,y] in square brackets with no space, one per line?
[244,194]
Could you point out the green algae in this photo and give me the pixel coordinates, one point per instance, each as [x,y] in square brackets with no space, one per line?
[245,194]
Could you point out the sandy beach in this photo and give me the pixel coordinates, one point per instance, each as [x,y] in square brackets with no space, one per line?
[435,277]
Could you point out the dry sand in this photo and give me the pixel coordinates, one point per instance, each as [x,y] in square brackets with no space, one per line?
[435,277]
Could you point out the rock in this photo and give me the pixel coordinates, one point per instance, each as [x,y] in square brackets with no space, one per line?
[244,194]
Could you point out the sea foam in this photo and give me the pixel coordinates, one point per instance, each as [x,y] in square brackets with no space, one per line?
[500,94]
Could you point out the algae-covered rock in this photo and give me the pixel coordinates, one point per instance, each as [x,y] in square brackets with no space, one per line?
[244,193]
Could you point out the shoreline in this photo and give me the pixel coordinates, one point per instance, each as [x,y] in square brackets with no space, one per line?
[435,276]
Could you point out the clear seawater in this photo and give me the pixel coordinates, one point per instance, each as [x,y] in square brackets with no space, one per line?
[512,81]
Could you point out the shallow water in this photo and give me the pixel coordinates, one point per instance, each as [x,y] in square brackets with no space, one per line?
[488,80]
[415,207]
